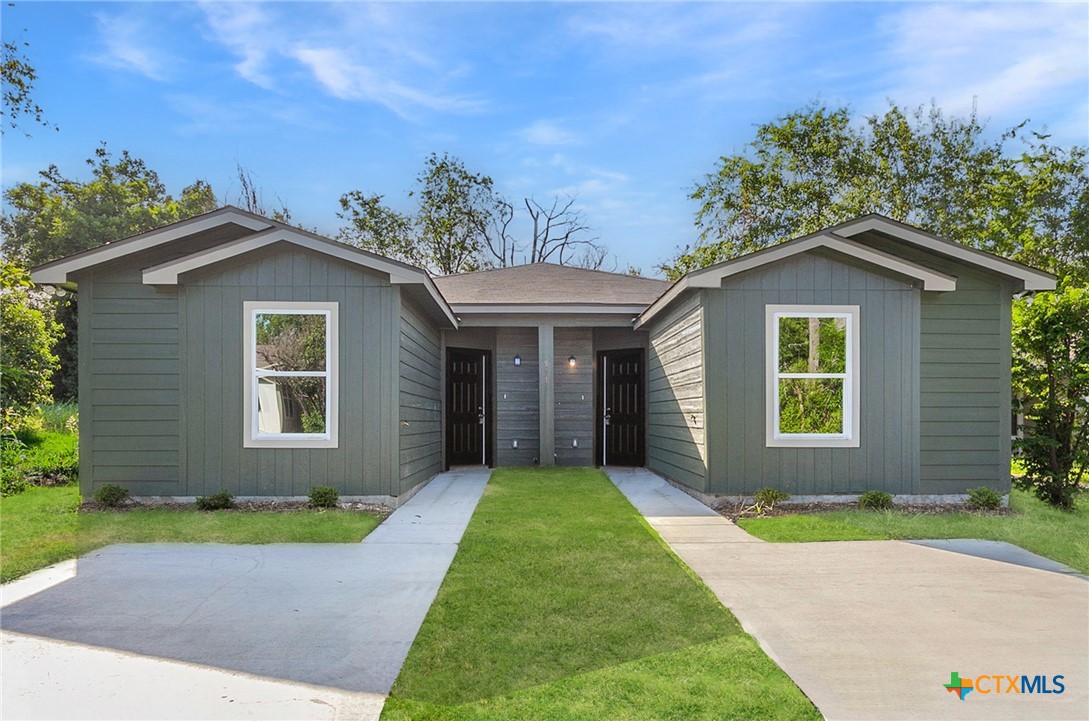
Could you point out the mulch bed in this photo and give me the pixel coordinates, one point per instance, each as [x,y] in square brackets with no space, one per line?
[734,511]
[246,507]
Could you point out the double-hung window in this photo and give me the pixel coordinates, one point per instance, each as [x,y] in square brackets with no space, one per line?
[812,376]
[291,359]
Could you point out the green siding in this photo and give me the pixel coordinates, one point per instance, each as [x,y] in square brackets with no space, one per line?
[887,459]
[420,398]
[574,396]
[964,370]
[365,462]
[675,395]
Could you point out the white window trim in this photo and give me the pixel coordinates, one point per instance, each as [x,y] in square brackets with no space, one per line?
[851,405]
[251,438]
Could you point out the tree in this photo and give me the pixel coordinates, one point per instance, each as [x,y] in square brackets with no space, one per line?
[60,215]
[1051,379]
[27,335]
[17,76]
[377,228]
[456,208]
[818,166]
[252,198]
[461,224]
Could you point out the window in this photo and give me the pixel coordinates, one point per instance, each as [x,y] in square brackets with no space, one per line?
[291,375]
[812,376]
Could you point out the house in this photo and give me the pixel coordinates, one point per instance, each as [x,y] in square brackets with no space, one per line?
[233,351]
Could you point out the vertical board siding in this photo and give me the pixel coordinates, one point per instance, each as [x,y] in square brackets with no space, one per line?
[130,391]
[739,462]
[675,395]
[365,461]
[517,399]
[420,398]
[574,396]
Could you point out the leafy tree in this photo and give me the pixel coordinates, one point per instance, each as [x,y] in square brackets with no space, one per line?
[375,227]
[27,335]
[17,76]
[819,166]
[461,224]
[1051,375]
[60,215]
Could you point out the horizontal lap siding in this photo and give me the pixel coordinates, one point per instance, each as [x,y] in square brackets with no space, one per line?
[364,463]
[420,399]
[888,456]
[574,397]
[675,395]
[965,386]
[517,400]
[130,388]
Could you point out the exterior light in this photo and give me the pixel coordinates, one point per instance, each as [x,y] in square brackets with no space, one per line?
[571,361]
[517,360]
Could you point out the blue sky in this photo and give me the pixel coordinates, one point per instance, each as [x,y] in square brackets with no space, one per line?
[627,105]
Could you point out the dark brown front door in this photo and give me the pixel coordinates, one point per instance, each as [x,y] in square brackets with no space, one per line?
[467,407]
[621,408]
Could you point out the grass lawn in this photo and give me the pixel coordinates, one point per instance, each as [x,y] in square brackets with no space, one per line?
[42,526]
[1058,535]
[562,603]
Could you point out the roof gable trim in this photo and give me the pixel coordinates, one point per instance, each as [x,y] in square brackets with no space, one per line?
[1033,279]
[168,273]
[59,270]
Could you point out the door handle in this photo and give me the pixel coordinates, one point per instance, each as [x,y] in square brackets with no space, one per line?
[480,416]
[608,416]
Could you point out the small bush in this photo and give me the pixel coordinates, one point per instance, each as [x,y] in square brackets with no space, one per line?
[984,499]
[769,496]
[111,495]
[875,500]
[216,502]
[324,497]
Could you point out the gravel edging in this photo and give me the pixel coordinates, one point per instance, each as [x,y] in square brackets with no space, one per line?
[735,511]
[377,509]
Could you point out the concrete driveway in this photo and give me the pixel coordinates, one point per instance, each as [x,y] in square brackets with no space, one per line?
[323,627]
[872,630]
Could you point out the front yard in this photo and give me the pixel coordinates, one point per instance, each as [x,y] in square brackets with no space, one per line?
[562,603]
[42,526]
[1035,526]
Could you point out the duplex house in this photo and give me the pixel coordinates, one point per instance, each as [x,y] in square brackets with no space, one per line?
[234,351]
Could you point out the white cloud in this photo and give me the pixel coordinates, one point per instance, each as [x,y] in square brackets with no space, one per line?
[1009,56]
[128,45]
[249,33]
[547,132]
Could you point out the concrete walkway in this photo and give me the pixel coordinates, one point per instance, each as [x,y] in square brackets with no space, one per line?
[873,629]
[272,631]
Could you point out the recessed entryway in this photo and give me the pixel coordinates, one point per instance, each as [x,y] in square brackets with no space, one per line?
[468,407]
[621,408]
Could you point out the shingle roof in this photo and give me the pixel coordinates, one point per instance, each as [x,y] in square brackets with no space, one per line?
[548,283]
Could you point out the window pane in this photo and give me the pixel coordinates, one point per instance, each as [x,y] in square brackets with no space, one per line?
[811,405]
[812,345]
[290,341]
[291,405]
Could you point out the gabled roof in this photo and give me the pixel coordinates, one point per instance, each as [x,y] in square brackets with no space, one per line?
[839,239]
[268,232]
[1031,278]
[547,287]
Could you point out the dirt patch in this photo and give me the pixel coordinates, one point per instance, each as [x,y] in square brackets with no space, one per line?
[244,507]
[735,511]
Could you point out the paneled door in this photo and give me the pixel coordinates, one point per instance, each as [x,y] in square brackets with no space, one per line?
[621,408]
[467,417]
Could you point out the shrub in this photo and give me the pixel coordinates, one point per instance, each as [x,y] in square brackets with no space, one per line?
[984,499]
[111,495]
[324,497]
[216,502]
[875,500]
[768,496]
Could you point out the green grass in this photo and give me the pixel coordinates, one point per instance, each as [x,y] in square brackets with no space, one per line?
[1058,535]
[42,526]
[562,603]
[47,451]
[55,415]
